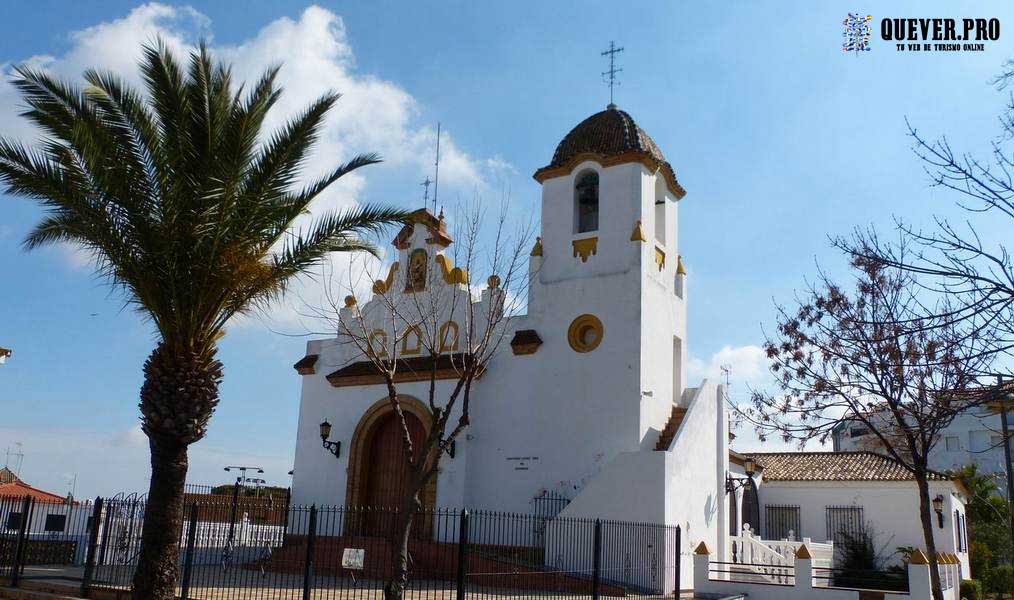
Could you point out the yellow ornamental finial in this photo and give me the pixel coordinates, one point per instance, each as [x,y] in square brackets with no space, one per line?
[350,301]
[637,235]
[537,248]
[493,281]
[679,266]
[702,548]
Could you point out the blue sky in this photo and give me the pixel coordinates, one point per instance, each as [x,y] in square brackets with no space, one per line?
[780,138]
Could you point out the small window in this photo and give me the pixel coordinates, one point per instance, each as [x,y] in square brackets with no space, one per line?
[14,520]
[858,431]
[411,342]
[782,523]
[844,523]
[56,523]
[378,343]
[952,443]
[586,195]
[449,337]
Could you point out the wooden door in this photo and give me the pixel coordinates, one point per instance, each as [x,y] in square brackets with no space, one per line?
[387,473]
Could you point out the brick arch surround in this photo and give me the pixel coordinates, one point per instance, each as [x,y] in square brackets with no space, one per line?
[359,462]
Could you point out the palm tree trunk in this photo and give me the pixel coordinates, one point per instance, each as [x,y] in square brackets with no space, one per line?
[179,395]
[927,532]
[158,564]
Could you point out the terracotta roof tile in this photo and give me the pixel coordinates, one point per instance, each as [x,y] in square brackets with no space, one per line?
[833,466]
[20,489]
[610,133]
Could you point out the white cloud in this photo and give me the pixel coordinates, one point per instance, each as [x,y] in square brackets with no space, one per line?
[748,372]
[747,365]
[373,115]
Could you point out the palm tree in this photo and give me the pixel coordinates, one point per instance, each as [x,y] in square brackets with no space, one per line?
[190,211]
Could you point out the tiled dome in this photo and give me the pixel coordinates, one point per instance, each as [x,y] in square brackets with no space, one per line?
[610,134]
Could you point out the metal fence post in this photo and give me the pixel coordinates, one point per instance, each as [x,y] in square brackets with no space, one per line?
[462,553]
[19,549]
[311,537]
[676,550]
[93,541]
[188,559]
[232,515]
[596,559]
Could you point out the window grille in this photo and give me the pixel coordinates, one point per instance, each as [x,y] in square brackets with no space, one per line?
[782,522]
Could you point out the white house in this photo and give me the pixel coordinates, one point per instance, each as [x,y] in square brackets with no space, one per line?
[974,437]
[821,495]
[589,401]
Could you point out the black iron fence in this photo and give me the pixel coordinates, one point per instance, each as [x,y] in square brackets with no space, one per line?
[332,552]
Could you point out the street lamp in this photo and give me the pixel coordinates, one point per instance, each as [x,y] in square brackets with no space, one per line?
[732,484]
[332,447]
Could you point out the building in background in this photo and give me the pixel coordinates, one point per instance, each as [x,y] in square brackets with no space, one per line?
[973,438]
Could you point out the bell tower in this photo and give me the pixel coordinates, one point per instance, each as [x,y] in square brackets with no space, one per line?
[609,250]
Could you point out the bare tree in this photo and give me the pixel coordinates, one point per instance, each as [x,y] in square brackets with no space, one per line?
[960,259]
[877,354]
[428,326]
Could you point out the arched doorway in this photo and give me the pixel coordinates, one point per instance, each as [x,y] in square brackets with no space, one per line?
[751,507]
[733,513]
[377,472]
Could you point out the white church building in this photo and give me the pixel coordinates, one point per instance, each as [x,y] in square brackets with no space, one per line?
[589,401]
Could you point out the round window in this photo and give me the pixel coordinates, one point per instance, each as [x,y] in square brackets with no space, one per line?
[585,333]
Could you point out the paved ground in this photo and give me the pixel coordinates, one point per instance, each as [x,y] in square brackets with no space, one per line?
[214,583]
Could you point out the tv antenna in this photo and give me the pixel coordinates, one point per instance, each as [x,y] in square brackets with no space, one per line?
[727,371]
[436,174]
[19,458]
[610,75]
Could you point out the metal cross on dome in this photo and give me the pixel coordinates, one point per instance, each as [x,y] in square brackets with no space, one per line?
[610,75]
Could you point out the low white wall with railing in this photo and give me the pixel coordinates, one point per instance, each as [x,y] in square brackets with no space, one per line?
[802,582]
[774,558]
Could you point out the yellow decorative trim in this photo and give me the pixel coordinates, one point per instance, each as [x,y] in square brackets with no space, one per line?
[585,333]
[350,301]
[585,247]
[608,161]
[537,248]
[378,337]
[407,350]
[702,548]
[918,558]
[381,286]
[451,274]
[659,258]
[493,281]
[450,329]
[637,235]
[679,265]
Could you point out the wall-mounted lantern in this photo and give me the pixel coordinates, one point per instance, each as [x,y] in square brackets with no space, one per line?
[732,484]
[332,447]
[938,506]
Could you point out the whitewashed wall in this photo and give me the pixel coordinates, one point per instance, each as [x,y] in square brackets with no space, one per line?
[890,508]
